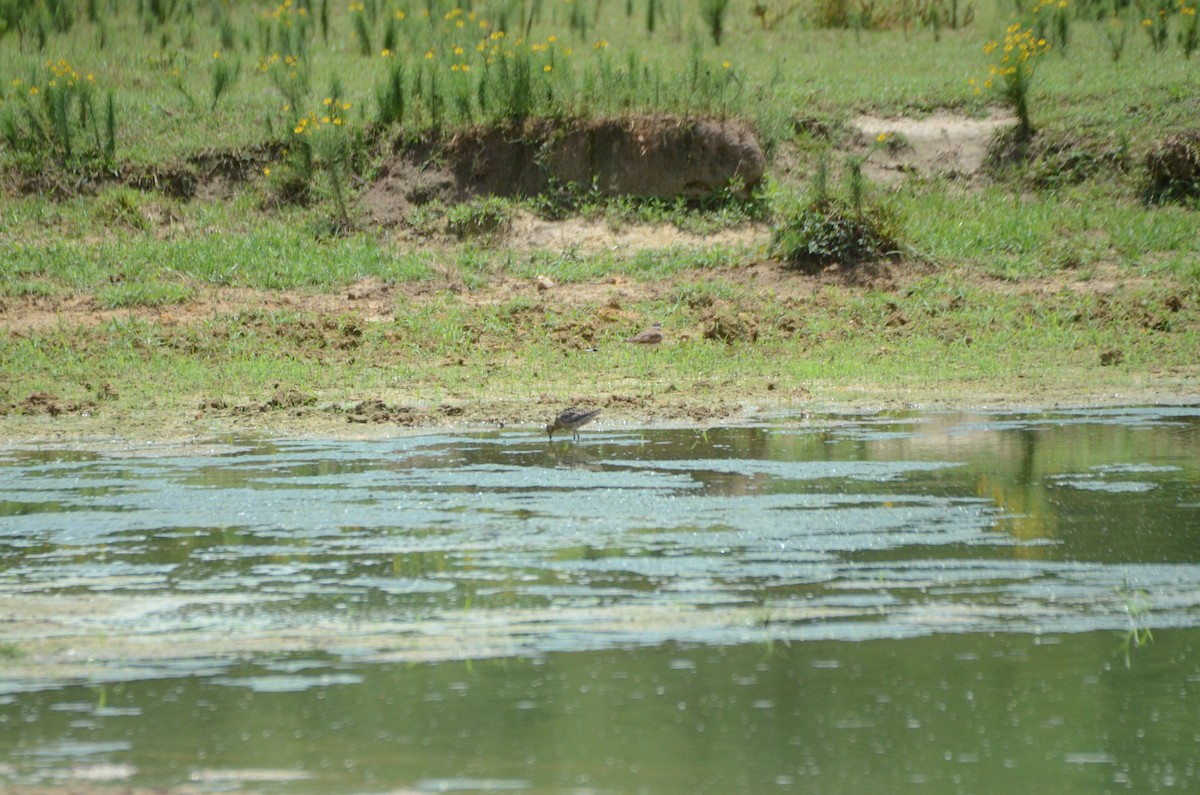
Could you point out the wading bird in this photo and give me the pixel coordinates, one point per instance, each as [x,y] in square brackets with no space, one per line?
[572,420]
[650,336]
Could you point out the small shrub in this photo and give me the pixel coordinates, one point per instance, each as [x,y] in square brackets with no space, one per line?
[389,96]
[1174,167]
[322,143]
[224,74]
[1189,30]
[1011,75]
[713,12]
[828,228]
[362,29]
[121,207]
[1116,33]
[824,233]
[1156,21]
[290,77]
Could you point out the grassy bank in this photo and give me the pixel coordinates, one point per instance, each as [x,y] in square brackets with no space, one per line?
[182,230]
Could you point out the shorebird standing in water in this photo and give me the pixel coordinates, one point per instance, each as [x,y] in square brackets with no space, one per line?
[650,336]
[572,420]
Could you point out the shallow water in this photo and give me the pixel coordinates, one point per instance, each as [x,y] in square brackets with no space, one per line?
[929,602]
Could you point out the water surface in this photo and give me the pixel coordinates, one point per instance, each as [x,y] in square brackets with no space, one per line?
[931,602]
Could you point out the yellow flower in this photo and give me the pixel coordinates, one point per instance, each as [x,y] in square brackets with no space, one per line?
[345,106]
[216,53]
[884,136]
[724,64]
[386,53]
[266,171]
[400,14]
[547,68]
[327,101]
[429,55]
[552,39]
[16,81]
[33,89]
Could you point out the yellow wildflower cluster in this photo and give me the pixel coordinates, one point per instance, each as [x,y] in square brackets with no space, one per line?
[357,8]
[1019,47]
[1050,4]
[469,41]
[333,114]
[291,62]
[286,10]
[62,70]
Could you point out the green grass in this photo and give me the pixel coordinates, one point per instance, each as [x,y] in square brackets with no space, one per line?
[277,255]
[447,348]
[1073,212]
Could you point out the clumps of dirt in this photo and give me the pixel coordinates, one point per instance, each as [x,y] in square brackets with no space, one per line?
[642,156]
[1057,163]
[724,325]
[374,411]
[290,398]
[48,404]
[281,399]
[1174,166]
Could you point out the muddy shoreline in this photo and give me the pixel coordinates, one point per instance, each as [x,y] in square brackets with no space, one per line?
[397,416]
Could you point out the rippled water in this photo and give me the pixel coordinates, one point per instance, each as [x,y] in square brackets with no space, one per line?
[926,602]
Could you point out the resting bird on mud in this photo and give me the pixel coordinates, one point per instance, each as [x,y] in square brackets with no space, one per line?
[651,336]
[572,420]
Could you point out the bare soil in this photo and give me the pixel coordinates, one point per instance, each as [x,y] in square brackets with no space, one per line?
[643,156]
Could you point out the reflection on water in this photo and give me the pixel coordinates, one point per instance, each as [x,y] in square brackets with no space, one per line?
[933,602]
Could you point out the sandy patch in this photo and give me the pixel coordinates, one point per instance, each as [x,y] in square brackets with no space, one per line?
[597,237]
[943,144]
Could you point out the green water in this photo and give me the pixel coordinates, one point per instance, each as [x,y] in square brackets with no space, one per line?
[924,602]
